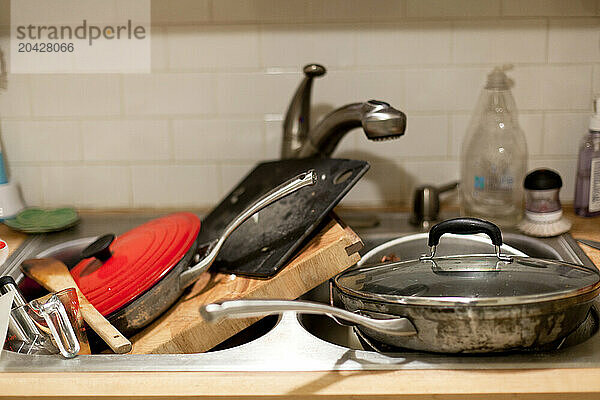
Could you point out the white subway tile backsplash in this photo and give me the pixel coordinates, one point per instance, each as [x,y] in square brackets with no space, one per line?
[169,94]
[255,93]
[596,80]
[5,44]
[273,138]
[427,173]
[533,127]
[443,89]
[459,126]
[30,181]
[224,72]
[226,47]
[126,140]
[338,88]
[389,182]
[75,95]
[558,8]
[232,174]
[274,133]
[465,86]
[4,12]
[527,88]
[217,140]
[297,45]
[404,44]
[180,11]
[574,40]
[425,136]
[159,50]
[564,132]
[41,141]
[500,41]
[64,13]
[566,88]
[86,186]
[355,10]
[552,87]
[455,8]
[383,184]
[175,185]
[349,146]
[259,11]
[428,89]
[15,101]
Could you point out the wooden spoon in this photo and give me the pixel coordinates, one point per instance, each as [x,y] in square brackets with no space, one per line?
[55,276]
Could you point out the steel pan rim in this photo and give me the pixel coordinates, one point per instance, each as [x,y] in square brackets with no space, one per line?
[536,311]
[587,292]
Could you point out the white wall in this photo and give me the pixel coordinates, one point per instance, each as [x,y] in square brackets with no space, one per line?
[225,70]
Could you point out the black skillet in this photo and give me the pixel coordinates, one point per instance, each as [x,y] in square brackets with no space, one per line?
[134,278]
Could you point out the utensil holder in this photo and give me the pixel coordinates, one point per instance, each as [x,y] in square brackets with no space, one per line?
[11,200]
[56,326]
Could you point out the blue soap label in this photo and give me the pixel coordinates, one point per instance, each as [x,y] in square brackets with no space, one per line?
[479,182]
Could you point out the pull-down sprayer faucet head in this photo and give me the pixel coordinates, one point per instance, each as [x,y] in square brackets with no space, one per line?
[382,121]
[379,120]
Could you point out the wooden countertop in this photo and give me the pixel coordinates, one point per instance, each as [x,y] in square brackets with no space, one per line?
[568,383]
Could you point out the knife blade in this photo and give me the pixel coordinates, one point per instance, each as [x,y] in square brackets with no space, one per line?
[591,243]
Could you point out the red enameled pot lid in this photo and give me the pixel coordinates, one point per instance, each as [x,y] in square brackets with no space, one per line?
[140,259]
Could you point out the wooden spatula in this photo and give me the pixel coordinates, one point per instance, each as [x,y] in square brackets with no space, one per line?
[55,276]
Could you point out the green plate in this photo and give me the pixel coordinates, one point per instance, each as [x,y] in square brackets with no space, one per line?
[37,220]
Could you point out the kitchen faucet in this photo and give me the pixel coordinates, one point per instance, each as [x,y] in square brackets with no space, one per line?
[296,123]
[426,204]
[379,120]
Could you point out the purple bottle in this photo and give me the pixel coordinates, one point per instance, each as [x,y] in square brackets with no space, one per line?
[587,187]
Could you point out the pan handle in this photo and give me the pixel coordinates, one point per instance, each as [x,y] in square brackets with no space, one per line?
[307,178]
[390,325]
[465,226]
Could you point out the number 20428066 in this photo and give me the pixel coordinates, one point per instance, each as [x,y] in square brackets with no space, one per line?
[46,47]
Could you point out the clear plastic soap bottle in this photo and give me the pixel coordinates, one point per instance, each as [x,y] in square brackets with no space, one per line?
[494,156]
[587,187]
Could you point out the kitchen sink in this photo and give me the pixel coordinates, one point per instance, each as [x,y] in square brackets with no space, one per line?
[292,342]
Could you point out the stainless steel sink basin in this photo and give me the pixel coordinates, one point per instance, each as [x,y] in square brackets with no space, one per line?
[290,342]
[377,228]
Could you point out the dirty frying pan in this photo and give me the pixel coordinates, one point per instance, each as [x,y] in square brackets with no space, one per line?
[133,278]
[451,304]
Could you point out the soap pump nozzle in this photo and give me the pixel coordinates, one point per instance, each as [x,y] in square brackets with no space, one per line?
[498,80]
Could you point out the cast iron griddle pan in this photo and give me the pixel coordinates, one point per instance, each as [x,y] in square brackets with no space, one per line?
[262,245]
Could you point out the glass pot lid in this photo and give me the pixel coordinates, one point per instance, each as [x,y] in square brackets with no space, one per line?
[471,279]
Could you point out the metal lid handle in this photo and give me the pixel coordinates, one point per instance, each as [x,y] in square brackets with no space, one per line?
[465,226]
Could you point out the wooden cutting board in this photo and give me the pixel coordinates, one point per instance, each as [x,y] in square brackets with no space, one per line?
[182,330]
